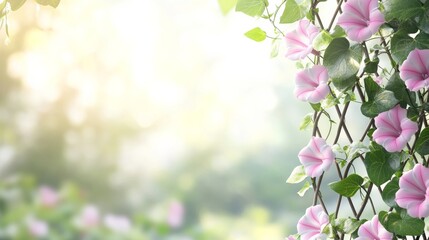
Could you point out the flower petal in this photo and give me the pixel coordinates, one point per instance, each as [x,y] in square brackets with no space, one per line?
[394,129]
[361,19]
[299,41]
[413,193]
[316,157]
[310,226]
[311,84]
[415,70]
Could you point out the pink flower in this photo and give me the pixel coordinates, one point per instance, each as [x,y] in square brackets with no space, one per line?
[361,19]
[413,193]
[394,129]
[89,217]
[299,42]
[48,197]
[117,223]
[290,237]
[37,228]
[379,80]
[373,230]
[175,214]
[311,84]
[415,70]
[311,225]
[316,157]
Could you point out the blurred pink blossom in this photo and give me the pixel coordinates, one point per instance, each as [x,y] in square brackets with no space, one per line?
[311,225]
[291,237]
[413,193]
[89,217]
[316,157]
[299,42]
[37,228]
[415,70]
[373,229]
[379,80]
[48,197]
[117,223]
[394,129]
[311,84]
[361,19]
[176,214]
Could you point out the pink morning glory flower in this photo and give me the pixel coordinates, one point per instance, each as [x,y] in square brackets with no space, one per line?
[37,228]
[311,225]
[117,223]
[299,41]
[413,193]
[89,217]
[48,197]
[311,84]
[394,129]
[415,70]
[316,157]
[379,80]
[373,229]
[176,214]
[361,19]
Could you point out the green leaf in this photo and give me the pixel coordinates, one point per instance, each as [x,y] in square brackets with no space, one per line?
[422,144]
[347,225]
[226,5]
[423,24]
[357,148]
[408,26]
[348,186]
[383,101]
[304,189]
[380,164]
[422,40]
[350,96]
[402,45]
[316,106]
[256,34]
[389,192]
[251,7]
[397,86]
[413,114]
[342,62]
[379,100]
[403,10]
[52,3]
[306,122]
[297,175]
[294,11]
[371,66]
[275,45]
[16,4]
[371,88]
[329,101]
[338,32]
[322,40]
[401,224]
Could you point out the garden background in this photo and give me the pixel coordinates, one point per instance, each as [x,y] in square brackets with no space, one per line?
[162,112]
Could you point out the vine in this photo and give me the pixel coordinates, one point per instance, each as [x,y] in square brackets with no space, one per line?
[373,54]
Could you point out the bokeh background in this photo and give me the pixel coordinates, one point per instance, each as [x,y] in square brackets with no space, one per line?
[160,114]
